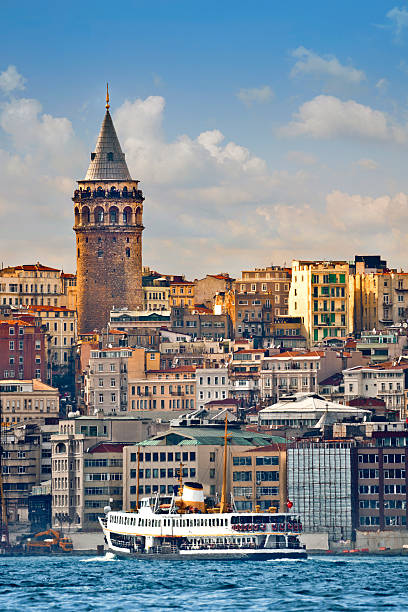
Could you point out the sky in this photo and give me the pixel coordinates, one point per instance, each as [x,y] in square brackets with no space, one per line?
[260,131]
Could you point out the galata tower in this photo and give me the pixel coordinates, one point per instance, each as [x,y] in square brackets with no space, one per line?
[108,227]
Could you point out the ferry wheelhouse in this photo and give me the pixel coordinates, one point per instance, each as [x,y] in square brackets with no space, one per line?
[183,527]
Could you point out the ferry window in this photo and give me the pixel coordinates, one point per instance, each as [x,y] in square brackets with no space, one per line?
[169,456]
[155,456]
[162,456]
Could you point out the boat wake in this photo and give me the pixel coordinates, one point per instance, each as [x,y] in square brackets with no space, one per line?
[109,556]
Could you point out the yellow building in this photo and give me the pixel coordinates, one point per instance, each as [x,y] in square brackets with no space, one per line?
[32,284]
[182,294]
[319,293]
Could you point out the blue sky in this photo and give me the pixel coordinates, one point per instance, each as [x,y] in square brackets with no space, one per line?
[260,131]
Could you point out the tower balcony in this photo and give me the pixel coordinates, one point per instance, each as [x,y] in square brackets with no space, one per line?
[110,194]
[103,214]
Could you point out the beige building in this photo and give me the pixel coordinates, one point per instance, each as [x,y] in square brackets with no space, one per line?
[156,296]
[35,284]
[25,400]
[166,389]
[258,477]
[378,299]
[319,294]
[87,466]
[61,325]
[198,451]
[260,296]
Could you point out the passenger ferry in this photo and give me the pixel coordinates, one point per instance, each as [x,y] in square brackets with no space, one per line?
[182,527]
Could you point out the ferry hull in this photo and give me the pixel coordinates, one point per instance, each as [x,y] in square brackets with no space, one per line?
[213,555]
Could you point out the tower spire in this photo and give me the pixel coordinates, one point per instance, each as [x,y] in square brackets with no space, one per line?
[107,97]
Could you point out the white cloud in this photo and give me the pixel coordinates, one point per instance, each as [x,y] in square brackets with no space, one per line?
[368,164]
[208,199]
[260,95]
[399,21]
[310,64]
[301,158]
[10,80]
[382,84]
[329,117]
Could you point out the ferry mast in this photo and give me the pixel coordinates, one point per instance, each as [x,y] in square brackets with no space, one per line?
[4,532]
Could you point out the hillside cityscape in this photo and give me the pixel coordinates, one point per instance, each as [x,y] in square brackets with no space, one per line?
[116,381]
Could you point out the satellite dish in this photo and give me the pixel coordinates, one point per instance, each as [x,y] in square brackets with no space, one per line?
[405,325]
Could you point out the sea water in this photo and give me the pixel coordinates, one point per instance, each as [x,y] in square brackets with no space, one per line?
[106,583]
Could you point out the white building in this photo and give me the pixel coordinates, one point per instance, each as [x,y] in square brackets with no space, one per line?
[211,384]
[106,381]
[386,381]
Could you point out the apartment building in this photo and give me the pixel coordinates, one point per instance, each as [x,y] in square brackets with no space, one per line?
[380,346]
[382,492]
[211,384]
[26,400]
[156,293]
[289,372]
[205,289]
[199,324]
[319,294]
[258,477]
[61,326]
[197,451]
[22,349]
[378,299]
[163,389]
[30,284]
[200,353]
[106,381]
[287,333]
[244,371]
[386,381]
[181,294]
[86,466]
[260,296]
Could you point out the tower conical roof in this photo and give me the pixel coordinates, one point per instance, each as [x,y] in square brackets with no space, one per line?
[108,160]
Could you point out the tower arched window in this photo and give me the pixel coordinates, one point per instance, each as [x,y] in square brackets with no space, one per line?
[86,215]
[127,216]
[127,252]
[113,215]
[99,214]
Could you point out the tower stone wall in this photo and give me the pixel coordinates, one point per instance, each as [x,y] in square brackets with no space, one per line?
[108,209]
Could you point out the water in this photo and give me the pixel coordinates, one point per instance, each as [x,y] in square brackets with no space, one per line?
[105,583]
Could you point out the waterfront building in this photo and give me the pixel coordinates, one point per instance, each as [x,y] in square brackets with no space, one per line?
[197,451]
[108,210]
[382,490]
[322,479]
[258,477]
[319,294]
[87,466]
